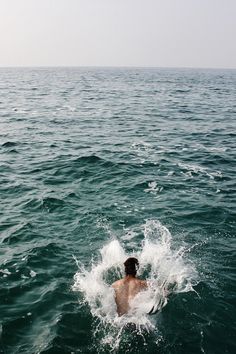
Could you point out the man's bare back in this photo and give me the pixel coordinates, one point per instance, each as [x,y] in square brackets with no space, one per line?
[125,290]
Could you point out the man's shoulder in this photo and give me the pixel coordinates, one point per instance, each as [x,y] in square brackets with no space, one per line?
[117,283]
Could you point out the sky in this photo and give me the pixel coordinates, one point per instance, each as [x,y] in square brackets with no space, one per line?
[159,33]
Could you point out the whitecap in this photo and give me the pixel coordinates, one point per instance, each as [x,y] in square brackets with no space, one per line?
[153,188]
[33,274]
[5,271]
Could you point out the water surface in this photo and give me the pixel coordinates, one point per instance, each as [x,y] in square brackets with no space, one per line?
[91,156]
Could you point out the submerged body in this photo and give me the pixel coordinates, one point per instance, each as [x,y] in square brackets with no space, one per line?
[125,290]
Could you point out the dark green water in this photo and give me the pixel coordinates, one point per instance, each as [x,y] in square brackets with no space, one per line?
[90,155]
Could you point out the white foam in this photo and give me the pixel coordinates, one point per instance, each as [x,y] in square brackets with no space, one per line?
[166,271]
[5,271]
[129,235]
[153,188]
[33,274]
[198,170]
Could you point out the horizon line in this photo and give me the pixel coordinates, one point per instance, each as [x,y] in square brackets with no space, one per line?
[116,66]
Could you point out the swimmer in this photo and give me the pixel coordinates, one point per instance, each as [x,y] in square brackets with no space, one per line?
[129,286]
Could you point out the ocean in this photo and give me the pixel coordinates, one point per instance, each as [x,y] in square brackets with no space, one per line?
[99,164]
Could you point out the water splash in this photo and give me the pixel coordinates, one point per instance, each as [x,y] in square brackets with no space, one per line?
[166,272]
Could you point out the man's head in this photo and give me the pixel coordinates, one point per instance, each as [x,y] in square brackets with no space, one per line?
[131,266]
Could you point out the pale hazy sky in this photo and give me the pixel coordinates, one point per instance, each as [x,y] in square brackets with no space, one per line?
[178,33]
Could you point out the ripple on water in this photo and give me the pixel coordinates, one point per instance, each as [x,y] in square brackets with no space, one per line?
[88,156]
[9,144]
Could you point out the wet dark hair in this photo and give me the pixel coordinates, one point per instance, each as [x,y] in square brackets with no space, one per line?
[131,266]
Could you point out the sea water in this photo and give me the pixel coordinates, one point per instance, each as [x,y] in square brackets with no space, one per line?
[99,164]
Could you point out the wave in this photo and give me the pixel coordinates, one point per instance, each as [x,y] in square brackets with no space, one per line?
[49,204]
[8,144]
[164,267]
[14,233]
[128,161]
[91,159]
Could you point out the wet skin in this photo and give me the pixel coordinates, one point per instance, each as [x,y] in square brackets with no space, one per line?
[125,290]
